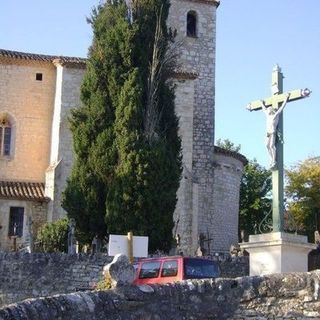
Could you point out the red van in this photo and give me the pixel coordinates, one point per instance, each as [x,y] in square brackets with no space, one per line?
[171,269]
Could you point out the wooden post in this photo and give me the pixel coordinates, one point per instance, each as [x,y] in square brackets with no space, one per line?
[130,246]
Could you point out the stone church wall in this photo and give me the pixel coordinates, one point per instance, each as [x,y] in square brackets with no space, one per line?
[67,98]
[33,211]
[281,297]
[184,225]
[29,103]
[227,177]
[197,56]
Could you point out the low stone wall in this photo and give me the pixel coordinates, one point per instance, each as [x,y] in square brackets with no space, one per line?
[283,296]
[233,267]
[24,275]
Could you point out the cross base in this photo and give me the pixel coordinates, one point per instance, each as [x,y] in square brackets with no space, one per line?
[277,252]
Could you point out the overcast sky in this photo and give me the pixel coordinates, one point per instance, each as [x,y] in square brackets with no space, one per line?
[252,36]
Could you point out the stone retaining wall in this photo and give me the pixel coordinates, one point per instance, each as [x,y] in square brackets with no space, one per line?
[24,275]
[281,296]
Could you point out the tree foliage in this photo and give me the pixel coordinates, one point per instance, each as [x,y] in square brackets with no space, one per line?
[127,165]
[255,201]
[303,192]
[53,236]
[228,145]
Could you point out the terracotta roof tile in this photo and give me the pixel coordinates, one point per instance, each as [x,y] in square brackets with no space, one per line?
[40,57]
[31,191]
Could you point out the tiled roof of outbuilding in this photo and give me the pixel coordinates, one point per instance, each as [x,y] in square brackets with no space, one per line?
[40,57]
[31,191]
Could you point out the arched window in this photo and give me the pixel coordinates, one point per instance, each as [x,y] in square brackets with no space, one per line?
[192,24]
[5,136]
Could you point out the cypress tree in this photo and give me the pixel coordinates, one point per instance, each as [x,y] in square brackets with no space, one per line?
[127,167]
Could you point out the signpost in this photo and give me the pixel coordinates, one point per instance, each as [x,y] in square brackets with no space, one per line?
[132,246]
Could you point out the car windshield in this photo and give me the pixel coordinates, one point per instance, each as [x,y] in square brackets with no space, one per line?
[200,268]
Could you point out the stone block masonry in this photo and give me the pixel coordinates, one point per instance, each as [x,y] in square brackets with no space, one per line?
[226,195]
[30,116]
[293,296]
[67,97]
[195,210]
[36,275]
[33,210]
[24,275]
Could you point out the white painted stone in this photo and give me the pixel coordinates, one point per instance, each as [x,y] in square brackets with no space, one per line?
[277,252]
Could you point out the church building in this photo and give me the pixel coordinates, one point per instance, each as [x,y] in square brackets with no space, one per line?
[37,93]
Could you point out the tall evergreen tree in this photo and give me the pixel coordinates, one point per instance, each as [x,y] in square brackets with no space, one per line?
[127,150]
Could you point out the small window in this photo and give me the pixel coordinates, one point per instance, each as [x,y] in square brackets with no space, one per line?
[191,24]
[149,270]
[169,268]
[39,76]
[16,221]
[5,136]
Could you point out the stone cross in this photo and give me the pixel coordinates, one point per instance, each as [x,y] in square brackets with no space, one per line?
[273,107]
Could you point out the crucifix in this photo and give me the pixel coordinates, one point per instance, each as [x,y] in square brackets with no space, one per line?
[273,107]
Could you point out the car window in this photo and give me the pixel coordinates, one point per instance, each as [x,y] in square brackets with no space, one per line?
[200,268]
[149,270]
[169,268]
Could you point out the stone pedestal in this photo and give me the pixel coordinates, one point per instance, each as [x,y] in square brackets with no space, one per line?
[277,252]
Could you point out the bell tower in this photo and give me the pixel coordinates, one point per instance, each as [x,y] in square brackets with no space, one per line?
[195,23]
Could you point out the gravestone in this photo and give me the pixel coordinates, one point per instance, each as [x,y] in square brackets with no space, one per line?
[72,243]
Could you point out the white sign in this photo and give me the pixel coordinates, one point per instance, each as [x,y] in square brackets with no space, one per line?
[120,244]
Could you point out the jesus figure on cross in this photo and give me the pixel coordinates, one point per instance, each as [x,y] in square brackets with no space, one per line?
[272,128]
[273,107]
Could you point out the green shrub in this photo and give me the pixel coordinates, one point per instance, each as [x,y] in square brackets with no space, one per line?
[53,236]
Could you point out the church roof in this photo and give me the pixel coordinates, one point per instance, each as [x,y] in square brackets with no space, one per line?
[73,61]
[9,54]
[30,191]
[214,2]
